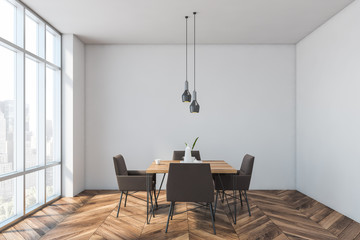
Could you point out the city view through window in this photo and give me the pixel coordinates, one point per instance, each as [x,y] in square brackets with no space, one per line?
[30,112]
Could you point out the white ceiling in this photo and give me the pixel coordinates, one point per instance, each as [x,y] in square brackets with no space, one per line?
[163,22]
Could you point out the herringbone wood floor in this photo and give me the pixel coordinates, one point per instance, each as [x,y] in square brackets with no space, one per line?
[275,215]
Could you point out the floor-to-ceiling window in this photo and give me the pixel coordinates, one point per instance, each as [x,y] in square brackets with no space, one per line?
[30,112]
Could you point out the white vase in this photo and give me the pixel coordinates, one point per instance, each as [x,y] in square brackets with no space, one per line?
[187,157]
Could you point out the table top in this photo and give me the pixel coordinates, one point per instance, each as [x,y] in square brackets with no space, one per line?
[216,166]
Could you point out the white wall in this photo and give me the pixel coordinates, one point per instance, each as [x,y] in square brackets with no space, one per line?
[73,122]
[79,116]
[247,99]
[67,115]
[328,113]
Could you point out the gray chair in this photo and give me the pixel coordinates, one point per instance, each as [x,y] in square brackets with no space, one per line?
[179,155]
[198,186]
[132,180]
[240,181]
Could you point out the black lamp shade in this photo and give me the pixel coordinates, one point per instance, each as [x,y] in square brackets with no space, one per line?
[186,97]
[194,107]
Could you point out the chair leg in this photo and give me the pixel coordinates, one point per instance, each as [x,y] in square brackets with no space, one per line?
[170,210]
[247,202]
[212,217]
[216,200]
[240,197]
[223,196]
[156,204]
[234,193]
[126,194]
[117,215]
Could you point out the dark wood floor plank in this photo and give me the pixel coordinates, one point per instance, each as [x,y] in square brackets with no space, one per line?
[281,237]
[340,225]
[129,229]
[321,213]
[330,219]
[85,221]
[265,231]
[276,214]
[55,212]
[37,225]
[26,231]
[45,219]
[12,234]
[301,230]
[351,231]
[96,237]
[357,237]
[290,220]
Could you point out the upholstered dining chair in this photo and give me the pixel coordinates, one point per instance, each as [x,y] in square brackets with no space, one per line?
[197,186]
[179,155]
[240,181]
[132,181]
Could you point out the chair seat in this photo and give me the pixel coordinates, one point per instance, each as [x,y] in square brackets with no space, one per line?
[135,182]
[241,182]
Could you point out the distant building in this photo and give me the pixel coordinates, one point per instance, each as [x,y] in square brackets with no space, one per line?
[7,125]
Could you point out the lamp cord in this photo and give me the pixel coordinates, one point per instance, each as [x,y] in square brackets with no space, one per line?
[186,44]
[194,50]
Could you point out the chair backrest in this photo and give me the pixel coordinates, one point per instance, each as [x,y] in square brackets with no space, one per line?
[120,166]
[247,165]
[179,155]
[190,182]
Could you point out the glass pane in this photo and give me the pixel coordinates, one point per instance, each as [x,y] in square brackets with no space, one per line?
[52,47]
[7,199]
[31,35]
[32,190]
[52,115]
[7,20]
[7,110]
[31,113]
[52,182]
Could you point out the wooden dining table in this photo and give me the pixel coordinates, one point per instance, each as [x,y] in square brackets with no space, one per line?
[216,167]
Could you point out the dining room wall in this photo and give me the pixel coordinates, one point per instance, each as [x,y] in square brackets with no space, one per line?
[73,115]
[328,113]
[247,105]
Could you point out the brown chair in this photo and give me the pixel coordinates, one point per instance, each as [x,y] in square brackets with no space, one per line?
[132,180]
[179,155]
[240,181]
[197,186]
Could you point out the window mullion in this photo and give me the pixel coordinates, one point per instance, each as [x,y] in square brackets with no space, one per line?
[21,29]
[45,77]
[31,170]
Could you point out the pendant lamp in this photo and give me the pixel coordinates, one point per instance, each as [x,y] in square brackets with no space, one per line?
[194,107]
[186,97]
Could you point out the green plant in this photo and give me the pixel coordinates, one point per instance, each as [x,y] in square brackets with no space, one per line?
[193,146]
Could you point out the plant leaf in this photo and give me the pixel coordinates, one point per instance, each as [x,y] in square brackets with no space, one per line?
[194,143]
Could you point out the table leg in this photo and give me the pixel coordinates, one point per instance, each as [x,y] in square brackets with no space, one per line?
[222,185]
[147,198]
[152,213]
[157,197]
[216,200]
[234,194]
